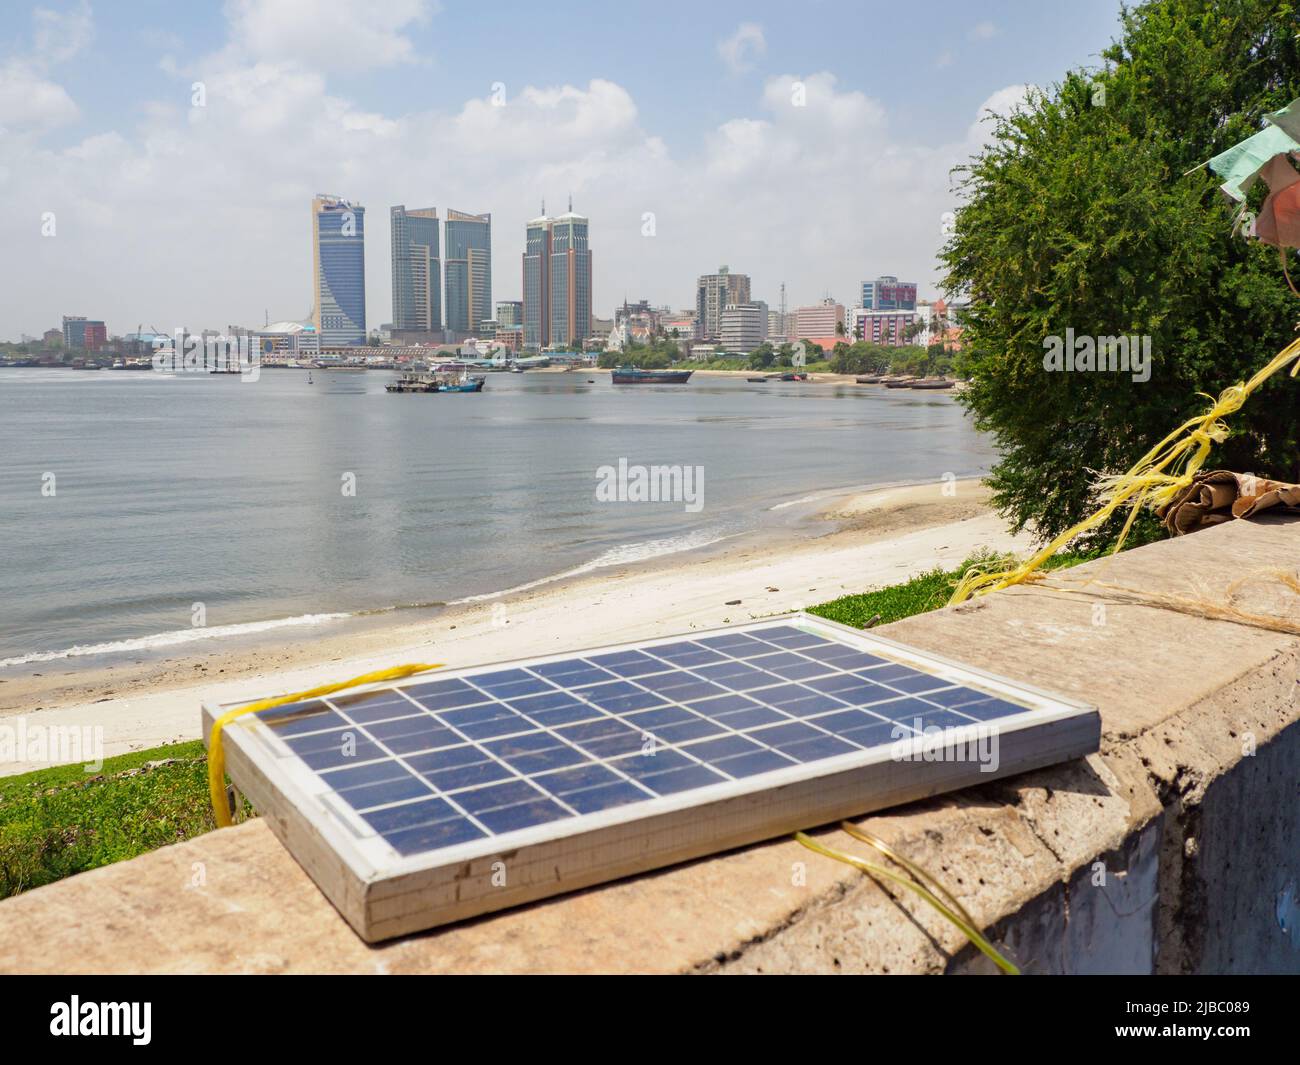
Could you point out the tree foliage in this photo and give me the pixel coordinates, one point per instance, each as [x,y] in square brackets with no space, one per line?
[1080,213]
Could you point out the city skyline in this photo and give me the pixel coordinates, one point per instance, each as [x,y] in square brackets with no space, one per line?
[202,130]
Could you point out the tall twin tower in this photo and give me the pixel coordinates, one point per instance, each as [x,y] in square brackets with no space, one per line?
[421,273]
[557,281]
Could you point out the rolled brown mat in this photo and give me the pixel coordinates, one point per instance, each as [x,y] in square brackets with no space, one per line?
[1216,496]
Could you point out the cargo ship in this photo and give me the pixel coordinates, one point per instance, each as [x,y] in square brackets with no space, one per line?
[630,375]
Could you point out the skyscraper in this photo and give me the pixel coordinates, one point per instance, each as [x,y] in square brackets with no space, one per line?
[557,281]
[417,270]
[537,293]
[889,294]
[338,271]
[713,294]
[469,272]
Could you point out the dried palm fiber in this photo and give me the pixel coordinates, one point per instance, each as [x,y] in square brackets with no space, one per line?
[1216,496]
[1156,479]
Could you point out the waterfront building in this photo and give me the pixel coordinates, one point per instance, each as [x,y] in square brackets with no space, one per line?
[468,268]
[288,340]
[888,294]
[743,327]
[887,328]
[557,281]
[338,270]
[510,314]
[417,271]
[820,323]
[83,334]
[713,294]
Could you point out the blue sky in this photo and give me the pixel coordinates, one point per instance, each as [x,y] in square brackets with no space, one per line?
[673,109]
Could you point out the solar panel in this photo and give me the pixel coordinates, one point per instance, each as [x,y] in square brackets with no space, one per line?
[455,793]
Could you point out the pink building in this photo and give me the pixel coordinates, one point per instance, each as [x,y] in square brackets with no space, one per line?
[813,323]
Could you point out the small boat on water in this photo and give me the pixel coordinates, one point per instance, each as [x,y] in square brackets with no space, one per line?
[757,380]
[630,375]
[932,383]
[899,382]
[798,376]
[432,382]
[870,379]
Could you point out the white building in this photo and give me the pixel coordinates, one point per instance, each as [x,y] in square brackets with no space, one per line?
[743,327]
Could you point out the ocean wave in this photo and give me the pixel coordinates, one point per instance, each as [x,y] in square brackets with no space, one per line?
[624,555]
[169,639]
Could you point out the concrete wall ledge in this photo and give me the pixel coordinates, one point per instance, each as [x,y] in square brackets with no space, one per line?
[1174,849]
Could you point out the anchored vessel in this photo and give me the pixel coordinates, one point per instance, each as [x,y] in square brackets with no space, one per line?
[630,375]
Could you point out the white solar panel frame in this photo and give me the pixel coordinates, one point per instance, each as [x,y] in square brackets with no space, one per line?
[382,893]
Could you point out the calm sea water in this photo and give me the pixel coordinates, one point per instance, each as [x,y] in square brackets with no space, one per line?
[171,491]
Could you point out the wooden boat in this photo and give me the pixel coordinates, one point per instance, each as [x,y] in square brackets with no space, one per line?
[798,376]
[758,380]
[630,375]
[899,382]
[873,379]
[932,383]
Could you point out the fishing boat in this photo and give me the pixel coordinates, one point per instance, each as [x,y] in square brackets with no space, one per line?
[757,380]
[793,377]
[870,379]
[433,382]
[899,382]
[630,375]
[932,383]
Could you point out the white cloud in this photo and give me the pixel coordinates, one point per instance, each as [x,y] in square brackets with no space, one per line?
[744,48]
[984,31]
[329,34]
[30,101]
[1001,103]
[60,35]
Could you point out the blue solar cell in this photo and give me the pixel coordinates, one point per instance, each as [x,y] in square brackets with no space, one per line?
[783,694]
[835,683]
[940,719]
[605,798]
[667,682]
[675,780]
[748,765]
[613,746]
[592,730]
[803,670]
[578,778]
[584,673]
[527,743]
[518,689]
[622,704]
[876,733]
[494,796]
[724,704]
[466,776]
[630,663]
[448,700]
[447,758]
[430,837]
[917,685]
[674,651]
[886,674]
[496,678]
[735,644]
[497,726]
[815,749]
[750,719]
[857,660]
[428,740]
[382,710]
[783,735]
[845,720]
[644,766]
[385,792]
[904,710]
[987,711]
[359,775]
[698,690]
[831,652]
[688,730]
[812,706]
[433,687]
[524,815]
[725,747]
[793,639]
[294,719]
[951,697]
[410,814]
[660,717]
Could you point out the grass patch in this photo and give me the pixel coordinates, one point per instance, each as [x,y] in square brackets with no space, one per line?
[59,821]
[927,592]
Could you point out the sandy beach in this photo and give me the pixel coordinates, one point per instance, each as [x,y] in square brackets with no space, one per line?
[871,539]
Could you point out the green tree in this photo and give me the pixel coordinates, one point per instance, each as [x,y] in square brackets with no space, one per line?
[1081,214]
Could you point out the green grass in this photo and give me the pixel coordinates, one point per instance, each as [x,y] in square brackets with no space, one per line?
[929,591]
[60,821]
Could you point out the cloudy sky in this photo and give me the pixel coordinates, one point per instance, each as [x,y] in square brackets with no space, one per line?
[804,142]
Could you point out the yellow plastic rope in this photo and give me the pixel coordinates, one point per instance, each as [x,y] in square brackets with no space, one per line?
[216,753]
[1154,479]
[952,909]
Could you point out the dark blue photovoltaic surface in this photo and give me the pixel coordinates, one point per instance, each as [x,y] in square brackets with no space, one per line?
[441,762]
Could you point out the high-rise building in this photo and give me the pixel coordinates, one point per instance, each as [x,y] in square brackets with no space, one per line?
[888,294]
[819,323]
[713,294]
[887,328]
[743,327]
[557,281]
[510,314]
[468,266]
[417,270]
[338,271]
[83,334]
